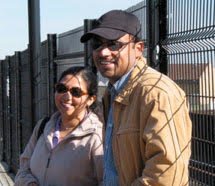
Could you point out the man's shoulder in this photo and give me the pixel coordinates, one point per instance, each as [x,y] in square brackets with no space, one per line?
[153,81]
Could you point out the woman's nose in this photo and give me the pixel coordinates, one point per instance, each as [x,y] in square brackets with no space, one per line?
[67,95]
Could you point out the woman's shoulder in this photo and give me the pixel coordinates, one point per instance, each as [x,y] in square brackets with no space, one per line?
[49,122]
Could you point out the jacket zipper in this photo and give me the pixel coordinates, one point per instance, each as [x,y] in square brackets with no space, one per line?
[46,169]
[47,166]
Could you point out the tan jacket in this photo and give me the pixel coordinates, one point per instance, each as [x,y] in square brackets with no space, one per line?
[152,130]
[76,160]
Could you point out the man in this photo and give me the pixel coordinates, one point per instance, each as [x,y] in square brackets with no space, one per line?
[147,124]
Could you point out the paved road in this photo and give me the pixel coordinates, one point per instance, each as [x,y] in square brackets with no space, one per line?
[6,178]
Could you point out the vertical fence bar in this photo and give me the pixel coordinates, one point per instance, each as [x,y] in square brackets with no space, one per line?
[6,112]
[1,112]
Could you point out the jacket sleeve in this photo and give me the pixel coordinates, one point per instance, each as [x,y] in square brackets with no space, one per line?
[24,175]
[97,154]
[166,138]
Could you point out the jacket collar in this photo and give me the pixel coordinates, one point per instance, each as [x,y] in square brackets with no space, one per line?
[86,127]
[89,125]
[139,69]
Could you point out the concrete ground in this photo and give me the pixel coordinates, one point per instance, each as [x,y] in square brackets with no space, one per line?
[6,178]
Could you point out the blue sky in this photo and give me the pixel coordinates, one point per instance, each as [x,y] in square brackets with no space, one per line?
[56,16]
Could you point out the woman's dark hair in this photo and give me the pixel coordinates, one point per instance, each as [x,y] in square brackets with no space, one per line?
[88,76]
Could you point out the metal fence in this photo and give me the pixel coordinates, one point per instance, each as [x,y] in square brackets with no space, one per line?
[190,46]
[179,38]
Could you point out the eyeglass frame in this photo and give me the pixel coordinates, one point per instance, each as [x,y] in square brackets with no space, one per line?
[108,44]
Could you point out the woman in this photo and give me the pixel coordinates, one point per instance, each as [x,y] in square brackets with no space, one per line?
[70,151]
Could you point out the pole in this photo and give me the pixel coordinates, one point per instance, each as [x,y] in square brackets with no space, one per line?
[34,52]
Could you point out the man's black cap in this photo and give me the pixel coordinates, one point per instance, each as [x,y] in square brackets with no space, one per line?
[113,25]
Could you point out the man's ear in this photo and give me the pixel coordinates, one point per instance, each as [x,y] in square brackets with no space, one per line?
[139,47]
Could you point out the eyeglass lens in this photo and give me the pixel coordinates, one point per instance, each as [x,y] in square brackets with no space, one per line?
[75,91]
[111,45]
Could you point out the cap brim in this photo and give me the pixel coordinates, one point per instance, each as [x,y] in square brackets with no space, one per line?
[107,33]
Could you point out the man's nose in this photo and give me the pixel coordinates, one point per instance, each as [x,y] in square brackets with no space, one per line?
[104,51]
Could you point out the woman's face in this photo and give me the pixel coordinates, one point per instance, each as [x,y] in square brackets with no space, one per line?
[69,105]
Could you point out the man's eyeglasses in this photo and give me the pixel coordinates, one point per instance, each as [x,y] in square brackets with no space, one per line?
[111,45]
[74,91]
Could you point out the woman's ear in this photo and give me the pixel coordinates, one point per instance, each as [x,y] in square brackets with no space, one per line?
[91,100]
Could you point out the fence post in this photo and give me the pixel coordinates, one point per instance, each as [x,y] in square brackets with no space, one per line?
[34,55]
[156,21]
[163,63]
[150,4]
[88,58]
[52,69]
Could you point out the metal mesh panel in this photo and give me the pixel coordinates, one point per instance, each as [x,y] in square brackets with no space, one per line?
[66,63]
[37,87]
[45,79]
[15,111]
[69,42]
[140,11]
[70,52]
[26,101]
[190,46]
[41,87]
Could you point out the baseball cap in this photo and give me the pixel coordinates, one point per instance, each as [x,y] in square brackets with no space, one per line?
[113,25]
